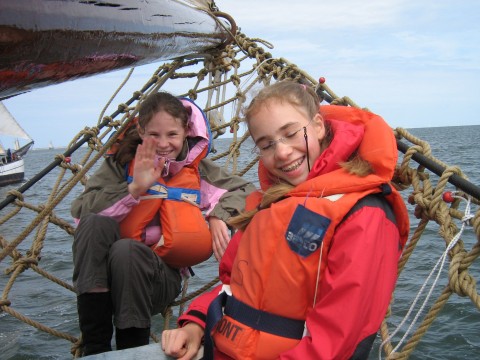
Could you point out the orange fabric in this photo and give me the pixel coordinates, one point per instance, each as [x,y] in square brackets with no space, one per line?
[186,236]
[289,291]
[284,293]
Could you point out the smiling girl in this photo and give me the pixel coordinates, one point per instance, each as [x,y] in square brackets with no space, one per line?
[141,222]
[311,273]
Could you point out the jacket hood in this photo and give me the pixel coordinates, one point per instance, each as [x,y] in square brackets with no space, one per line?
[353,129]
[198,137]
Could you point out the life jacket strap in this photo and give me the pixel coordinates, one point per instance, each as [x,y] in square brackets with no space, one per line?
[264,321]
[214,315]
[249,316]
[162,191]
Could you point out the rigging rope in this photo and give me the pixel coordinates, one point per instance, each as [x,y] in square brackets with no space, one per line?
[222,81]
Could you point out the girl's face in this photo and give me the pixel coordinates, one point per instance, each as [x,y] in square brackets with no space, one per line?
[168,133]
[277,129]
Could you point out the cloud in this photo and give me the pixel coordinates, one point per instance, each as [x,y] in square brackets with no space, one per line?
[287,16]
[404,59]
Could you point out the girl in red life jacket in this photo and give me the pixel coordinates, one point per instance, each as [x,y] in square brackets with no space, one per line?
[311,273]
[141,221]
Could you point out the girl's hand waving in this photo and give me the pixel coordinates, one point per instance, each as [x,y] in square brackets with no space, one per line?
[147,168]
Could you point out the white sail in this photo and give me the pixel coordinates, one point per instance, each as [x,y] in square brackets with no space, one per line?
[9,126]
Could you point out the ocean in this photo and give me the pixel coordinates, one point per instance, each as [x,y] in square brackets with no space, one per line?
[454,334]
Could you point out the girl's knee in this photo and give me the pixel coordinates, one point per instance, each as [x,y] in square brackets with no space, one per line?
[121,249]
[130,256]
[128,249]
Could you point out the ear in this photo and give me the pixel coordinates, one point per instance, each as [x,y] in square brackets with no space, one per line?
[319,126]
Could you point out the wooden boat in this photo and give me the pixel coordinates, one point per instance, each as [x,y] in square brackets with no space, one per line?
[12,168]
[45,42]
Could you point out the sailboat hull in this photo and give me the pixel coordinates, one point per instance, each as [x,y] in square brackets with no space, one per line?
[45,42]
[11,173]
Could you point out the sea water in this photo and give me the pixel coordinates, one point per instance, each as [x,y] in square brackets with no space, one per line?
[454,334]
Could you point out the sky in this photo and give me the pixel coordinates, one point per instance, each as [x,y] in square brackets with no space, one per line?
[416,63]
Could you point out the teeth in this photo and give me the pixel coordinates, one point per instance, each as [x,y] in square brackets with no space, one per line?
[294,166]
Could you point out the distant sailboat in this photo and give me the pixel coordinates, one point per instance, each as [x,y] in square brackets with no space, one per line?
[50,145]
[12,168]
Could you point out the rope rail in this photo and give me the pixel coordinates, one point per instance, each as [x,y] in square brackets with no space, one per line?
[221,82]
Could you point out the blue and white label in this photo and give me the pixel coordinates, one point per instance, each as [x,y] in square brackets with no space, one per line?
[306,230]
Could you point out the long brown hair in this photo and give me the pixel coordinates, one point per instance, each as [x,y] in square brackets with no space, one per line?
[152,104]
[306,100]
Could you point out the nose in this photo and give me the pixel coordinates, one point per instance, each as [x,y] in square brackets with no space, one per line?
[282,150]
[162,142]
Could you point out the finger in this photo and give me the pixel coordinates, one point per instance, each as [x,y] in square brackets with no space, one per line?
[220,245]
[173,344]
[224,240]
[139,152]
[150,147]
[189,354]
[164,341]
[217,251]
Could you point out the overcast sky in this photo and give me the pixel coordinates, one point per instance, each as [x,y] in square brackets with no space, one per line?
[416,63]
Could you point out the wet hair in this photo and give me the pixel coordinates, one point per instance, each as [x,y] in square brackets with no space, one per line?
[152,104]
[304,99]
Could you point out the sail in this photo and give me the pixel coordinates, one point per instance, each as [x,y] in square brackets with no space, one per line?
[9,126]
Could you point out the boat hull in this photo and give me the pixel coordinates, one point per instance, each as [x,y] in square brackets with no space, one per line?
[151,351]
[45,42]
[11,173]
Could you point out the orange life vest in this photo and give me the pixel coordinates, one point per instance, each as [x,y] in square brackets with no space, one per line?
[186,238]
[304,222]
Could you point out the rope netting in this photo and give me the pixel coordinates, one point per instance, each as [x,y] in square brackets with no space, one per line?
[222,82]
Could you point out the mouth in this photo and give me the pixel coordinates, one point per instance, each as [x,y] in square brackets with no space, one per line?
[163,153]
[293,166]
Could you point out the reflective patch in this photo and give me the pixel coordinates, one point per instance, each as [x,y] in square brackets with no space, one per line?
[306,230]
[158,189]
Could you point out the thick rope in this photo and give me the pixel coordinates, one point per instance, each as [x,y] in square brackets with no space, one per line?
[222,81]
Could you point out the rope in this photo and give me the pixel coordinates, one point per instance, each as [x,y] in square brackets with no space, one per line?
[221,81]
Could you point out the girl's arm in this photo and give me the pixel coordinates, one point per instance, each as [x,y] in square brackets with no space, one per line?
[197,310]
[223,196]
[105,193]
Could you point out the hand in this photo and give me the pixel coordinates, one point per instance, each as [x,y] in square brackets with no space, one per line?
[220,236]
[182,343]
[146,169]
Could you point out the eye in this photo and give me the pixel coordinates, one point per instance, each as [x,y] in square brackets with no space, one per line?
[265,146]
[292,134]
[153,135]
